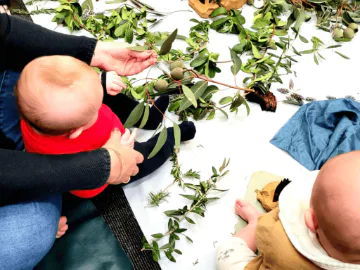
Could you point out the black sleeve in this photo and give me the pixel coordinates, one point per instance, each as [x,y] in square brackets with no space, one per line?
[22,41]
[24,176]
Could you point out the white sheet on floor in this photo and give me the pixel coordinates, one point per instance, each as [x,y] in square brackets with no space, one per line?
[244,139]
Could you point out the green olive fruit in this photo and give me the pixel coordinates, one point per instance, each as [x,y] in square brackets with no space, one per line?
[177,73]
[354,27]
[349,33]
[250,2]
[161,85]
[176,64]
[338,33]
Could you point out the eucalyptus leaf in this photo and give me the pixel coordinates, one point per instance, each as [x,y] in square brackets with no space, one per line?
[159,143]
[87,4]
[166,46]
[198,90]
[189,95]
[255,52]
[177,135]
[135,115]
[145,116]
[225,100]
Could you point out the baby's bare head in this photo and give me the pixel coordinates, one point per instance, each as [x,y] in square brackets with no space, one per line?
[58,94]
[335,207]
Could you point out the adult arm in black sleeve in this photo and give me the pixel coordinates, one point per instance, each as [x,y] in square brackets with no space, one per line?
[22,41]
[25,176]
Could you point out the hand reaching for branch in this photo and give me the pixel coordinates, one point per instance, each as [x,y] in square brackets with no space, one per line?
[125,62]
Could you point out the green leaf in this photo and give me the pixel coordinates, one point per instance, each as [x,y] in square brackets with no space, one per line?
[169,256]
[189,95]
[299,20]
[138,48]
[159,143]
[211,115]
[129,35]
[198,90]
[224,113]
[308,51]
[190,197]
[189,239]
[303,39]
[178,251]
[333,47]
[236,61]
[189,220]
[316,60]
[120,30]
[165,246]
[180,230]
[225,100]
[198,61]
[135,115]
[145,116]
[158,235]
[170,223]
[155,256]
[219,11]
[342,55]
[87,5]
[177,135]
[255,52]
[166,46]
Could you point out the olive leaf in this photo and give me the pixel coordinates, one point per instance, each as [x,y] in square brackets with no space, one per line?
[166,46]
[342,55]
[198,90]
[236,61]
[177,135]
[145,116]
[159,143]
[135,115]
[303,39]
[189,95]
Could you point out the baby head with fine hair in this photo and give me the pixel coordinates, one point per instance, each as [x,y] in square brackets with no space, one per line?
[59,95]
[334,213]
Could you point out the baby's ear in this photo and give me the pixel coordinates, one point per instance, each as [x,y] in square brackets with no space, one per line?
[76,133]
[311,220]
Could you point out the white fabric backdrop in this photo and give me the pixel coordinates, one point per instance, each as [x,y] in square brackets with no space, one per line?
[243,139]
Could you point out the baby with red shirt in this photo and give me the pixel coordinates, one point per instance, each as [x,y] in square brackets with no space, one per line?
[60,102]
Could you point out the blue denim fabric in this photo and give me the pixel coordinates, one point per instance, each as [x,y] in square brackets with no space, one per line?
[9,114]
[27,232]
[321,130]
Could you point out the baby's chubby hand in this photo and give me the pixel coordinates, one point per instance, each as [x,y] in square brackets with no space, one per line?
[128,138]
[114,83]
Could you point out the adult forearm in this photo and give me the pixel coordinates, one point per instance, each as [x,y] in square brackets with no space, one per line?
[23,41]
[25,176]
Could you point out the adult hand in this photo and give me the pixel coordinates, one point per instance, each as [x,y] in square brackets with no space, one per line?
[130,157]
[125,62]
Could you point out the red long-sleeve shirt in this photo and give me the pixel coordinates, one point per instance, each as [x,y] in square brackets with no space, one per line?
[92,138]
